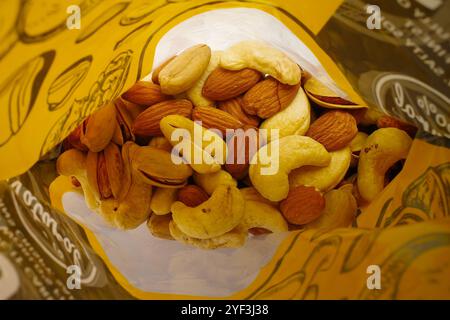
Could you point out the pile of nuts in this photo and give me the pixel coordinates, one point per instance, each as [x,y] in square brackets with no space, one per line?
[332,154]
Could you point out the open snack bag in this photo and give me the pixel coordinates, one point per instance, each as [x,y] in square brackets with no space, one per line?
[225,149]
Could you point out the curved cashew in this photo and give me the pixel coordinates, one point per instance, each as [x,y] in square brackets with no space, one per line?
[195,93]
[271,165]
[162,200]
[340,211]
[203,149]
[295,119]
[251,194]
[159,226]
[262,215]
[221,213]
[323,178]
[233,239]
[210,181]
[383,148]
[356,146]
[73,163]
[262,57]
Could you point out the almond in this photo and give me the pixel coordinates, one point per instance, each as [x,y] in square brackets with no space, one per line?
[268,98]
[192,195]
[147,123]
[390,122]
[302,205]
[145,93]
[213,118]
[241,149]
[225,84]
[234,107]
[155,73]
[334,129]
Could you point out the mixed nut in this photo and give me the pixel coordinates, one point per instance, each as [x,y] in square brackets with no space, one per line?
[332,154]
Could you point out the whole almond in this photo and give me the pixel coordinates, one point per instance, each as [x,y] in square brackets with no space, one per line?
[192,195]
[147,123]
[390,122]
[241,150]
[156,72]
[184,70]
[334,129]
[302,205]
[225,84]
[234,107]
[213,118]
[145,93]
[269,97]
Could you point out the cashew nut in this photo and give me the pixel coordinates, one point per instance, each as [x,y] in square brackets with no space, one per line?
[295,119]
[339,212]
[262,57]
[262,215]
[323,178]
[251,194]
[383,148]
[271,165]
[203,149]
[73,163]
[162,200]
[210,181]
[221,213]
[195,93]
[233,239]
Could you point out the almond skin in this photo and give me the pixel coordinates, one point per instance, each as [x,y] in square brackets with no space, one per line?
[192,195]
[73,140]
[155,73]
[390,122]
[213,118]
[269,97]
[147,123]
[240,153]
[334,129]
[234,107]
[225,84]
[145,93]
[302,205]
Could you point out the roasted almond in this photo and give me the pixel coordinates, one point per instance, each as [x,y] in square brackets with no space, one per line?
[145,93]
[213,118]
[234,107]
[241,149]
[269,97]
[334,129]
[73,140]
[225,84]
[147,123]
[192,195]
[155,73]
[302,205]
[390,122]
